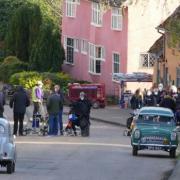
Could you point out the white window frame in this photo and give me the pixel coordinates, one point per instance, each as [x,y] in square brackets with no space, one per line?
[95,57]
[96,18]
[71,8]
[67,47]
[146,60]
[117,63]
[76,45]
[84,46]
[65,41]
[116,18]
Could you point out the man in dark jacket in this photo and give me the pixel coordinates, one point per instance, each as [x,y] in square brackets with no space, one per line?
[82,109]
[168,102]
[19,102]
[57,89]
[54,104]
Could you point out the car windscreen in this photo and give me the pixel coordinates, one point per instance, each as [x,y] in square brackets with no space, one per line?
[157,119]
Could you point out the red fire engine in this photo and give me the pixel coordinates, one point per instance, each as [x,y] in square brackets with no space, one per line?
[94,92]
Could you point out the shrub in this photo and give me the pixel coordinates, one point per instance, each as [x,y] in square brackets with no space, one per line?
[26,79]
[29,79]
[11,65]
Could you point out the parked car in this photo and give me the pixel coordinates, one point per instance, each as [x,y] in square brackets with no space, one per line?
[7,147]
[155,129]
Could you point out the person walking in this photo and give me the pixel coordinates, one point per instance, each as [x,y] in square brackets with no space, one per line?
[37,97]
[82,109]
[54,104]
[19,102]
[58,91]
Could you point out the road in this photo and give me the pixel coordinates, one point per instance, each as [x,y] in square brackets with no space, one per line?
[105,155]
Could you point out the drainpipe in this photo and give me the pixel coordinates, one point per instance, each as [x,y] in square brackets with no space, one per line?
[162,32]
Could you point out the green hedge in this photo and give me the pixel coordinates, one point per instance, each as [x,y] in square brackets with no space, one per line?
[29,79]
[9,66]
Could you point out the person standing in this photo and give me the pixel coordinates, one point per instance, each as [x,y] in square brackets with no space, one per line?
[54,104]
[37,97]
[149,99]
[136,101]
[82,109]
[58,91]
[19,102]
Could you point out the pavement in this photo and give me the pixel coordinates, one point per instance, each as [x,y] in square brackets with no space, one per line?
[110,114]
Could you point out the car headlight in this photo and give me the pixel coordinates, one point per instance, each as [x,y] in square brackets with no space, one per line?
[137,134]
[173,136]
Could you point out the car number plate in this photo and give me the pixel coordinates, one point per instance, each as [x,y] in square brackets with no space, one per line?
[154,148]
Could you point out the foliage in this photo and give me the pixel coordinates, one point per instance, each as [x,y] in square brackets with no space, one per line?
[174,33]
[9,66]
[7,8]
[112,100]
[47,53]
[29,79]
[23,31]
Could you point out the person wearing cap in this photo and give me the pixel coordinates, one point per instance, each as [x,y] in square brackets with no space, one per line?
[37,97]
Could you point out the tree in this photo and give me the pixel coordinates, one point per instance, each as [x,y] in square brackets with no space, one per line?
[47,53]
[23,30]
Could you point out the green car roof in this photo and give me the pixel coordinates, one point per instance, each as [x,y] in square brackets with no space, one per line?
[156,111]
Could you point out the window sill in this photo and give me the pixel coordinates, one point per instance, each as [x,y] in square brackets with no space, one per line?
[96,25]
[68,63]
[84,53]
[95,74]
[119,30]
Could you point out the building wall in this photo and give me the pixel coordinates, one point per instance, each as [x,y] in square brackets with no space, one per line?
[113,41]
[143,17]
[173,62]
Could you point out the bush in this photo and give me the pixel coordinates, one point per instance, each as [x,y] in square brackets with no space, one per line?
[112,100]
[11,65]
[29,79]
[26,79]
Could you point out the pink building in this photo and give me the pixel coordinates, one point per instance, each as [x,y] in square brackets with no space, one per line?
[95,42]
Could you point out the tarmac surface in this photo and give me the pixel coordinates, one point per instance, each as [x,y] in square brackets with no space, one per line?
[111,114]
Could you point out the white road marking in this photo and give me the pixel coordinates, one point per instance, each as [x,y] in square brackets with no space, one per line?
[73,143]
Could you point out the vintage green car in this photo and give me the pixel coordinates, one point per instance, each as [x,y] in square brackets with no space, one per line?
[155,129]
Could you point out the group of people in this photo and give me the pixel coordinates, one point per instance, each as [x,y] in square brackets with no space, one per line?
[168,97]
[54,106]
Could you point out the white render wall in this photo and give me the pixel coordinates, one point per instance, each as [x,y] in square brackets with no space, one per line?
[144,16]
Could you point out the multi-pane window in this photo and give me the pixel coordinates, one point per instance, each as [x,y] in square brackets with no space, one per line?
[71,8]
[116,63]
[84,46]
[70,50]
[116,18]
[96,56]
[96,14]
[147,60]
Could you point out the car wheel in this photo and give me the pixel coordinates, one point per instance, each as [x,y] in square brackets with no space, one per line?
[13,167]
[135,151]
[96,105]
[9,167]
[172,153]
